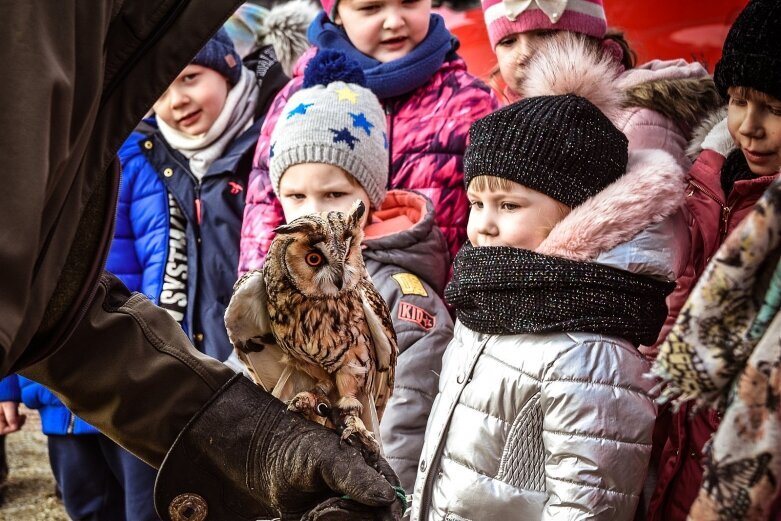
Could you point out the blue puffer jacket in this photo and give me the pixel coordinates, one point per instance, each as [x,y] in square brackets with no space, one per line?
[169,223]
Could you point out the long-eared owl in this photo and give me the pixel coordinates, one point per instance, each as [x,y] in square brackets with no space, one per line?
[315,298]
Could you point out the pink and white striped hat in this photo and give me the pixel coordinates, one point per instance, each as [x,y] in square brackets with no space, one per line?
[503,17]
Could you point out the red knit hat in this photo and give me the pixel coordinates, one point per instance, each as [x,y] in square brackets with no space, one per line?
[504,17]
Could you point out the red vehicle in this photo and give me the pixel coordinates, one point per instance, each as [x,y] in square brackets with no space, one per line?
[663,29]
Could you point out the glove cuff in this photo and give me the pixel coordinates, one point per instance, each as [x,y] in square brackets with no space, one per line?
[210,469]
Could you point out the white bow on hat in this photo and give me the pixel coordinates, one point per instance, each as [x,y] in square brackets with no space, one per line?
[553,9]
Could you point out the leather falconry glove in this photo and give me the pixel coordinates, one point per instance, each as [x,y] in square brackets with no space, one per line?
[244,457]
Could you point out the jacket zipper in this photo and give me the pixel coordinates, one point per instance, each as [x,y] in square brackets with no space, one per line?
[725,210]
[434,470]
[71,422]
[389,114]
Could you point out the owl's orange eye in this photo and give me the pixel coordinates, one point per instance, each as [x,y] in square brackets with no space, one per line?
[314,259]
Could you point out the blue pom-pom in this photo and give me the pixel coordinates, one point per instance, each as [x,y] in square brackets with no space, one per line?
[328,66]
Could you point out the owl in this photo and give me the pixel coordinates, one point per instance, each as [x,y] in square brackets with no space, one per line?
[315,302]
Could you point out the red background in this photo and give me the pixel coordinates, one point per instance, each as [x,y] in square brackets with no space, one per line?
[665,29]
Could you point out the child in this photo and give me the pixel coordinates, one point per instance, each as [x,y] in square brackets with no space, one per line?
[182,194]
[410,63]
[543,410]
[329,149]
[738,159]
[662,100]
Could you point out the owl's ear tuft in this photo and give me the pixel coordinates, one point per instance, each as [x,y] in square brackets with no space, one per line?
[356,212]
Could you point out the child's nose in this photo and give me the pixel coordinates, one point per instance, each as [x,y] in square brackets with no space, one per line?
[393,20]
[752,125]
[487,225]
[178,98]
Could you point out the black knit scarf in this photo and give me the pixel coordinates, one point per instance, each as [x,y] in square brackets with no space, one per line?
[501,290]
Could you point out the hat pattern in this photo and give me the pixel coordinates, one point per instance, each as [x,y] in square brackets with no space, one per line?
[338,123]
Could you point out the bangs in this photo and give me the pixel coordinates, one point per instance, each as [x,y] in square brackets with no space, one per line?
[490,183]
[752,94]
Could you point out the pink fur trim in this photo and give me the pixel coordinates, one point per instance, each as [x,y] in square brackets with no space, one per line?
[568,64]
[652,189]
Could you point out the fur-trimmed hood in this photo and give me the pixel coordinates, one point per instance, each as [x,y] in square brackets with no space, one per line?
[652,189]
[683,92]
[712,134]
[625,218]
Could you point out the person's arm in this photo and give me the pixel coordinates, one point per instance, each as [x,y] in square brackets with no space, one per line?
[130,371]
[598,422]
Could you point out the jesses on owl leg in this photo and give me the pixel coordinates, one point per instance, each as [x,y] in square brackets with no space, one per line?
[349,410]
[310,403]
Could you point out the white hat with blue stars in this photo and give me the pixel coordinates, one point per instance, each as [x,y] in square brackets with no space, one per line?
[336,120]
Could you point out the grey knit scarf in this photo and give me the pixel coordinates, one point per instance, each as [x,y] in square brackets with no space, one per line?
[504,291]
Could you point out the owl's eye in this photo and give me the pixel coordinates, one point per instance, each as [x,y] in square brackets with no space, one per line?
[314,259]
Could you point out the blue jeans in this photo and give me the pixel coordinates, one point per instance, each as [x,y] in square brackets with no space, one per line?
[101,481]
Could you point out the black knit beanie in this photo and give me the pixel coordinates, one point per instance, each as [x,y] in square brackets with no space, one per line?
[752,51]
[562,146]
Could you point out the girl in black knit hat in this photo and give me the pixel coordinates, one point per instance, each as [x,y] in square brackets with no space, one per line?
[543,408]
[738,156]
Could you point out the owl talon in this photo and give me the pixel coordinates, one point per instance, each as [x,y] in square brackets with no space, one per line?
[354,429]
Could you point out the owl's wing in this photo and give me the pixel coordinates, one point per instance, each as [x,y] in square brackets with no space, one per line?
[246,317]
[385,346]
[249,330]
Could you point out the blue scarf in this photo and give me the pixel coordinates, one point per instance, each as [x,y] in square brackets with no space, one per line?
[388,80]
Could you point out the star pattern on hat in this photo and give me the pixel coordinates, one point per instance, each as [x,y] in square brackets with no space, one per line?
[271,150]
[345,94]
[300,109]
[385,140]
[344,136]
[360,121]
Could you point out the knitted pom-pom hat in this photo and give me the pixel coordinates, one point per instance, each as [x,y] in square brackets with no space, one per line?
[220,55]
[562,146]
[505,17]
[333,119]
[752,51]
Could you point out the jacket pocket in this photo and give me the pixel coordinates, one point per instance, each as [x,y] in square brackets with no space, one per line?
[523,458]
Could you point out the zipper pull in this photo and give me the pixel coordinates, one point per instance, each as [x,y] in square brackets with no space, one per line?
[198,210]
[725,212]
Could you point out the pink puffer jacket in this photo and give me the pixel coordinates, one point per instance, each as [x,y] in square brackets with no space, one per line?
[427,133]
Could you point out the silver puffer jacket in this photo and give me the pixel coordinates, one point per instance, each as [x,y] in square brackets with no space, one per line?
[558,425]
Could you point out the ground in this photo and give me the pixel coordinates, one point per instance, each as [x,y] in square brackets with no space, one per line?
[30,495]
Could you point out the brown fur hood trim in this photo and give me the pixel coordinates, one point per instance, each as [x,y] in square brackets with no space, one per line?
[683,100]
[706,127]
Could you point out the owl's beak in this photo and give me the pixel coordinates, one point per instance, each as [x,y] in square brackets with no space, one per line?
[338,282]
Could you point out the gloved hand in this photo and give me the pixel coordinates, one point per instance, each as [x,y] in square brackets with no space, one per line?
[244,456]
